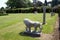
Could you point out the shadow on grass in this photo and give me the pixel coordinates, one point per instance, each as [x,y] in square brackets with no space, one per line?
[28,35]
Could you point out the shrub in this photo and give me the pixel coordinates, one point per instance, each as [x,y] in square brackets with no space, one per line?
[28,10]
[3,13]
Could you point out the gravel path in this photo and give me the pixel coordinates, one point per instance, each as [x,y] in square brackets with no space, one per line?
[56,31]
[54,36]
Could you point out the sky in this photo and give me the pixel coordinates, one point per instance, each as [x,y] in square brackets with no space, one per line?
[2,2]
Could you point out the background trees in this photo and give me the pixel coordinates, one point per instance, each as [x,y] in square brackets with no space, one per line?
[54,3]
[39,3]
[21,3]
[18,3]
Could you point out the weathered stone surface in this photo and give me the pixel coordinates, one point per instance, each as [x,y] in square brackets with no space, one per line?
[35,24]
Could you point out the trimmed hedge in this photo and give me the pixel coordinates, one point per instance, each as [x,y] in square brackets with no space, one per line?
[28,10]
[3,13]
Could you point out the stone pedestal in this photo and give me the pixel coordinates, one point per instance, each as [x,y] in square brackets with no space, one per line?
[33,34]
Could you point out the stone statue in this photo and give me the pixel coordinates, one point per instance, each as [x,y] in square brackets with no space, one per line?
[34,24]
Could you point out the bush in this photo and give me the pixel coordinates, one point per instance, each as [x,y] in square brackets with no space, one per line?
[28,10]
[3,13]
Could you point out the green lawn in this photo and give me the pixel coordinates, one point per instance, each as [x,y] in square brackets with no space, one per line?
[11,25]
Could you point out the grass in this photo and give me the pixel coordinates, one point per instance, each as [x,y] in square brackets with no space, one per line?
[11,25]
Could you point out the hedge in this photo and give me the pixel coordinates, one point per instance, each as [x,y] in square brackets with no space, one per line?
[3,13]
[28,10]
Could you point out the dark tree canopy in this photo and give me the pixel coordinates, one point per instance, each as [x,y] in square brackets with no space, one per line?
[45,3]
[54,3]
[2,8]
[58,1]
[39,3]
[18,3]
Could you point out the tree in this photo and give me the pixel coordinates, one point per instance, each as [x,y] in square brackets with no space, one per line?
[30,4]
[39,3]
[2,9]
[45,3]
[58,1]
[54,3]
[17,3]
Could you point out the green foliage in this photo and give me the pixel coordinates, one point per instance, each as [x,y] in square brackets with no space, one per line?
[58,8]
[18,3]
[45,3]
[54,3]
[3,13]
[2,8]
[39,4]
[28,10]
